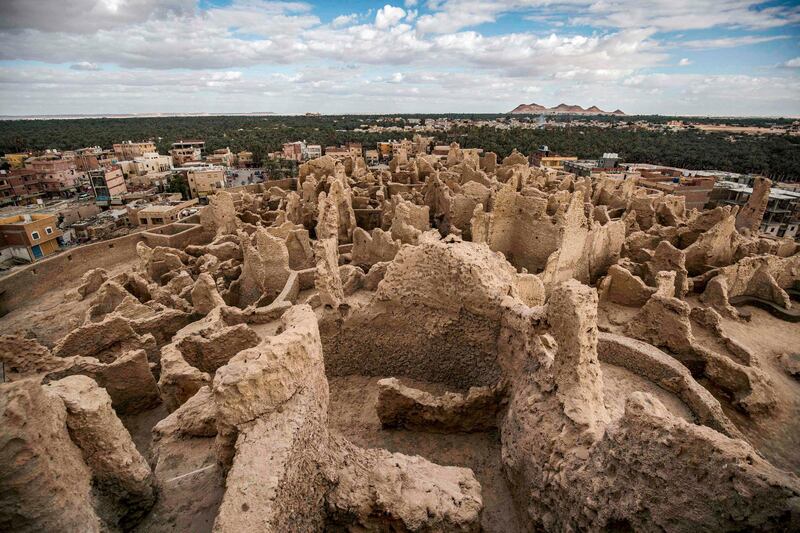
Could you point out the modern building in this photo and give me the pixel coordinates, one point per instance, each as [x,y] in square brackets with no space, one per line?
[29,237]
[16,160]
[56,176]
[355,149]
[128,150]
[385,150]
[47,176]
[245,159]
[402,145]
[149,180]
[108,185]
[20,186]
[193,143]
[338,152]
[695,189]
[593,167]
[223,157]
[92,158]
[186,151]
[293,151]
[205,181]
[544,158]
[164,213]
[6,191]
[313,151]
[298,151]
[152,162]
[782,216]
[105,225]
[182,156]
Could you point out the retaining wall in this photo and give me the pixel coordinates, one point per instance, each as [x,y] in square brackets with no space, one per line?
[31,282]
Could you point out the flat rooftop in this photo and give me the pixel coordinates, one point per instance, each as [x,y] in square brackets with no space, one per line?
[158,208]
[24,219]
[774,193]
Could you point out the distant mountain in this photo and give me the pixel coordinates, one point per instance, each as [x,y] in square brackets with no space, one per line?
[529,108]
[561,109]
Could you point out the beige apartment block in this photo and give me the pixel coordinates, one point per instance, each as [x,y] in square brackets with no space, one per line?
[166,213]
[128,150]
[205,181]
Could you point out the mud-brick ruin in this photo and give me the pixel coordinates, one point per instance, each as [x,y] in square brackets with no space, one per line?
[448,345]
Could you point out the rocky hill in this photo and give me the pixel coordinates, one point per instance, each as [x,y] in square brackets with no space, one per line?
[561,109]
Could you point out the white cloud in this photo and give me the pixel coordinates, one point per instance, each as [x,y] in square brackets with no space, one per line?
[84,65]
[85,16]
[388,16]
[344,20]
[332,90]
[454,15]
[279,56]
[454,18]
[685,62]
[729,42]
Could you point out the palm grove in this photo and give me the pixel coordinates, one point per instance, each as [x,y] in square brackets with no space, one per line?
[775,156]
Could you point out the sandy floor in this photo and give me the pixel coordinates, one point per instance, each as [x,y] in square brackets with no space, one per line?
[619,383]
[776,435]
[52,316]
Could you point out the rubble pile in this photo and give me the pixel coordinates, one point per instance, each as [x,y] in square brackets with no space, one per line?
[613,344]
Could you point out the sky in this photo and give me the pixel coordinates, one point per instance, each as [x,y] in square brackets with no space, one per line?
[669,57]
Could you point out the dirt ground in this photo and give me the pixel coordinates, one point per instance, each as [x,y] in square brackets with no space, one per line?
[53,315]
[775,435]
[619,383]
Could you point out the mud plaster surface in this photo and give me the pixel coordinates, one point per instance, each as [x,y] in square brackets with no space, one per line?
[619,382]
[55,314]
[776,437]
[352,413]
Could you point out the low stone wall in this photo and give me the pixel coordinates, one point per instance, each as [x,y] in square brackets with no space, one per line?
[665,371]
[289,184]
[177,235]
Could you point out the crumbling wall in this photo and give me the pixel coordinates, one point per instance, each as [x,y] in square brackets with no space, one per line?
[46,486]
[272,403]
[750,216]
[561,246]
[435,316]
[28,283]
[518,226]
[406,407]
[571,467]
